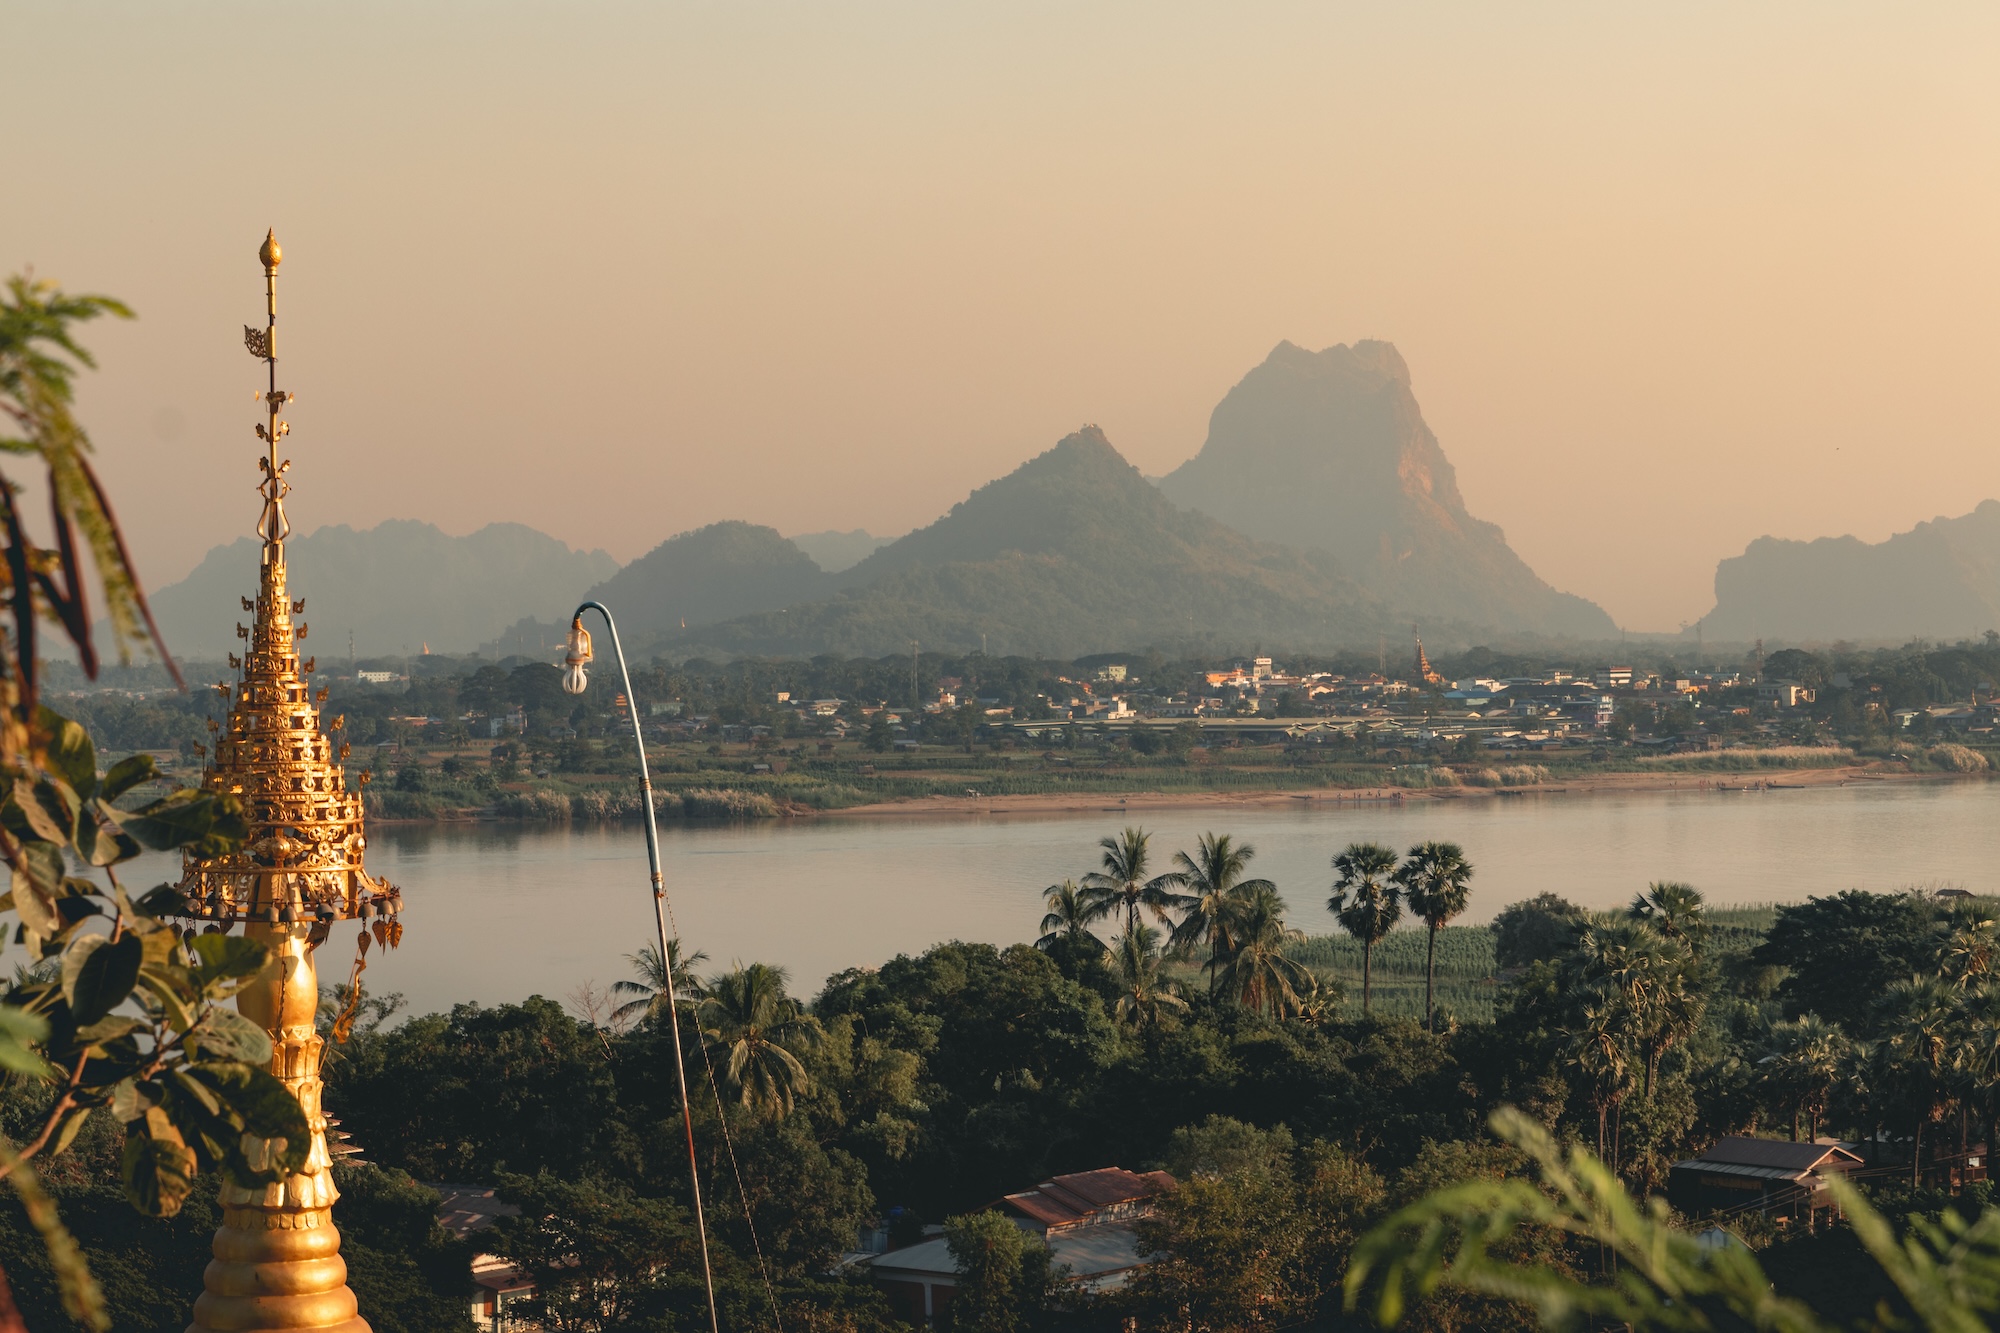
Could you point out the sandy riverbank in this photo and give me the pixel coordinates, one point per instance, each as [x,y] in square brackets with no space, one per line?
[1580,785]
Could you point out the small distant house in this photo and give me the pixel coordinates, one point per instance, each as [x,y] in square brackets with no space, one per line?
[1613,678]
[1767,1175]
[1783,693]
[498,1288]
[1086,1219]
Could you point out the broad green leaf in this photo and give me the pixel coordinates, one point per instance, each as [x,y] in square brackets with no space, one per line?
[224,964]
[66,1133]
[109,1028]
[98,974]
[35,905]
[44,864]
[163,943]
[203,822]
[19,1031]
[159,1168]
[34,817]
[206,1100]
[61,804]
[126,774]
[174,991]
[163,900]
[103,842]
[270,1115]
[224,1034]
[70,755]
[132,1099]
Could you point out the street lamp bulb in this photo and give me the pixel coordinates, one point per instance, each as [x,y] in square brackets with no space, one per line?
[574,678]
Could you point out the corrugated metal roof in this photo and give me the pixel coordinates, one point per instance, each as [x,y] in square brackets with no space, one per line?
[1087,1252]
[1706,1167]
[1778,1154]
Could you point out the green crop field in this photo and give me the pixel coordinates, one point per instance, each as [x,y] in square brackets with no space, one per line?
[1465,983]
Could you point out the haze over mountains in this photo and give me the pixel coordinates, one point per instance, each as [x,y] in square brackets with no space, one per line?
[397,587]
[1939,580]
[1321,513]
[1329,450]
[835,551]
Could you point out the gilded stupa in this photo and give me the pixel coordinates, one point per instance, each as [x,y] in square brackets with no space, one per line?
[298,874]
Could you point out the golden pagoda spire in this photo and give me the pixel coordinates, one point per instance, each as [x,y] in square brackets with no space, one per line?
[299,872]
[1425,671]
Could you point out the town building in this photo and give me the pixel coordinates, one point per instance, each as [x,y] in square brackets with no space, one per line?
[1086,1219]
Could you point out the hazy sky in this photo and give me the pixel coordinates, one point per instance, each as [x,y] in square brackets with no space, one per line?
[1667,277]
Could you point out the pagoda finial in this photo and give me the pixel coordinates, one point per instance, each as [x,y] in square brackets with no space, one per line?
[297,877]
[272,525]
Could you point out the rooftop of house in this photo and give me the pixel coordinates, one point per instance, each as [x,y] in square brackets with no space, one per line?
[1093,1256]
[1067,1200]
[464,1209]
[1772,1158]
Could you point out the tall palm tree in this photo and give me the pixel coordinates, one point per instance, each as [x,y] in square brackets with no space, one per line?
[1122,886]
[651,987]
[1972,949]
[1916,1020]
[1599,1049]
[1648,979]
[1800,1067]
[1673,909]
[1366,901]
[1436,883]
[1071,910]
[1208,883]
[1256,973]
[1145,996]
[748,1017]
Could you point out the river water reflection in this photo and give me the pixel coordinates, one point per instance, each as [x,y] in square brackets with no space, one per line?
[499,912]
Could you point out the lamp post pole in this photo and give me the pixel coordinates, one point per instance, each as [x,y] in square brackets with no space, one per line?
[575,682]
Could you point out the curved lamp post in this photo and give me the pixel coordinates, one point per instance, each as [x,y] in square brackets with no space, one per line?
[575,680]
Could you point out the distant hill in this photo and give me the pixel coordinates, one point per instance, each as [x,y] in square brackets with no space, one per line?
[1072,552]
[722,570]
[835,551]
[397,586]
[1329,450]
[1940,580]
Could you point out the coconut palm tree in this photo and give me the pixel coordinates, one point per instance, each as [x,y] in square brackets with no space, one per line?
[1145,996]
[1071,910]
[1436,883]
[1366,901]
[651,987]
[747,1017]
[1205,886]
[1674,910]
[1256,973]
[1122,886]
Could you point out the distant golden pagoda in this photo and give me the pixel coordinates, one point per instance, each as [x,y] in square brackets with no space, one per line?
[299,872]
[1425,671]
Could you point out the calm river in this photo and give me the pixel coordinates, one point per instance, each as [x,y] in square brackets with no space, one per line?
[497,913]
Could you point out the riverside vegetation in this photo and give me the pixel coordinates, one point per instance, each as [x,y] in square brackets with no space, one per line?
[1336,1162]
[724,748]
